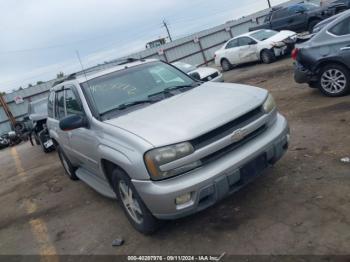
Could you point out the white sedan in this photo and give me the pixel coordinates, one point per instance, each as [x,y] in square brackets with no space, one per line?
[261,45]
[201,73]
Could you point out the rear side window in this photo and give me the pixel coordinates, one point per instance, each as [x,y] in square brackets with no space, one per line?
[60,112]
[73,105]
[233,43]
[50,104]
[342,28]
[280,13]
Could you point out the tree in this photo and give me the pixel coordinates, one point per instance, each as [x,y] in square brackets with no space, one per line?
[39,82]
[2,93]
[30,85]
[60,75]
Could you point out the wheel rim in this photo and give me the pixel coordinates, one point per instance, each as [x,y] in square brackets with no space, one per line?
[130,202]
[65,165]
[333,81]
[265,57]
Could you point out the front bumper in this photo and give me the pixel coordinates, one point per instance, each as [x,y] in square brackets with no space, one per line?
[303,75]
[211,183]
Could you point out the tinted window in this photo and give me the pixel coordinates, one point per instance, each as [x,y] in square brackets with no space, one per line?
[60,113]
[50,104]
[280,13]
[342,28]
[243,41]
[233,43]
[73,106]
[296,8]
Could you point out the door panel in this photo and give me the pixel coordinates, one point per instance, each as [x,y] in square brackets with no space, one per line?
[83,141]
[247,50]
[232,52]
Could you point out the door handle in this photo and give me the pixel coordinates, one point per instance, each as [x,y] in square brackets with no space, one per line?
[345,48]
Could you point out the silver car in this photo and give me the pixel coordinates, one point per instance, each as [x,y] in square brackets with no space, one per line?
[161,142]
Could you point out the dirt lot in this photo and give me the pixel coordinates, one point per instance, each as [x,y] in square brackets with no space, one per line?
[300,206]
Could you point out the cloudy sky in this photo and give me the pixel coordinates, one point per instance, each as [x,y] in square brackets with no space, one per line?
[39,37]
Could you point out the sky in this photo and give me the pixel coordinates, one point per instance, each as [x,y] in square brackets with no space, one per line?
[39,38]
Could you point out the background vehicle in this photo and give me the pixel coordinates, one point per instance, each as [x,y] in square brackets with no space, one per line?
[324,61]
[166,145]
[262,45]
[204,74]
[37,112]
[4,141]
[299,17]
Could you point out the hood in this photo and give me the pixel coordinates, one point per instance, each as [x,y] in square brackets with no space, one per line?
[188,115]
[204,71]
[283,35]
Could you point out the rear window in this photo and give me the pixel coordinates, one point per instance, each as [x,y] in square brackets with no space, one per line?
[342,28]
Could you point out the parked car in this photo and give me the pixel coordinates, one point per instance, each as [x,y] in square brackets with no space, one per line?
[204,74]
[324,61]
[326,2]
[4,141]
[37,111]
[299,17]
[262,45]
[165,144]
[325,22]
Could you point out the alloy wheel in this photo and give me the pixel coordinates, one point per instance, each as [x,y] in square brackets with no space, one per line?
[333,81]
[130,202]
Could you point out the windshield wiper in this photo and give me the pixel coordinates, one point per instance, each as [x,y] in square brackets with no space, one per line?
[167,91]
[129,104]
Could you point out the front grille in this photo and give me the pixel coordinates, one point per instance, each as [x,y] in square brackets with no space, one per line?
[212,76]
[226,129]
[233,146]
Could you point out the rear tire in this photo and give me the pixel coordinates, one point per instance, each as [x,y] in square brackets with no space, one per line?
[267,56]
[226,65]
[67,165]
[334,80]
[134,208]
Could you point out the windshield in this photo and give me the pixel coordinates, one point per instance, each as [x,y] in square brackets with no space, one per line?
[110,91]
[262,35]
[184,67]
[38,107]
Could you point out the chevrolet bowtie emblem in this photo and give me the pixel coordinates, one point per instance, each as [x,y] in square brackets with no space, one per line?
[238,135]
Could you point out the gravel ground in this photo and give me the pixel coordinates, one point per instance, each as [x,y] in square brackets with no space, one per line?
[300,206]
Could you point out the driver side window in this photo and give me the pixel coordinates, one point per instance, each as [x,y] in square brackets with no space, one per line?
[244,41]
[73,104]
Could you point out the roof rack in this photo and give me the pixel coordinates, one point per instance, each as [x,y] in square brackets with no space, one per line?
[97,68]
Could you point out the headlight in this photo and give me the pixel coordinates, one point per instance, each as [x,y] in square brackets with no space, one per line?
[269,104]
[155,158]
[278,44]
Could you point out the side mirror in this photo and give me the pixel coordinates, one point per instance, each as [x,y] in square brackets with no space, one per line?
[73,122]
[195,75]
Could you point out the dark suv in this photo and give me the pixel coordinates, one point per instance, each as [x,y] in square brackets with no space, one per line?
[324,61]
[299,17]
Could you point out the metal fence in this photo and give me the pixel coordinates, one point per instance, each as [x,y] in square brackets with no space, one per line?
[196,49]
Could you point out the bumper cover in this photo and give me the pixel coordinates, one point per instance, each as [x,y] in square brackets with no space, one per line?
[303,75]
[211,183]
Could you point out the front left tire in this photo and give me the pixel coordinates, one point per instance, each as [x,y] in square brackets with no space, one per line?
[134,208]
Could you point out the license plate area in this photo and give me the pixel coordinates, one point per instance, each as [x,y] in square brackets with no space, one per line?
[253,169]
[48,143]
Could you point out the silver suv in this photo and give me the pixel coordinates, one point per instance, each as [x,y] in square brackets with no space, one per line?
[161,142]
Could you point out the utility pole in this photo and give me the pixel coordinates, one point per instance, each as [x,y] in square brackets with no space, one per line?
[7,111]
[268,1]
[167,29]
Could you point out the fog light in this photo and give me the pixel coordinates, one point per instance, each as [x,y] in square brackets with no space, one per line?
[183,199]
